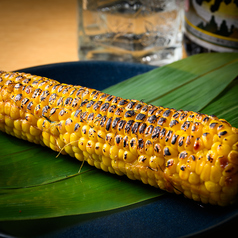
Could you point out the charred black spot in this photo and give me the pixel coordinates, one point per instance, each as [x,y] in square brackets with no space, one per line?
[176,115]
[205,134]
[104,95]
[103,120]
[132,142]
[118,139]
[109,98]
[90,116]
[122,102]
[222,133]
[156,132]
[115,122]
[108,124]
[168,135]
[166,151]
[45,110]
[183,115]
[183,167]
[84,102]
[116,99]
[112,108]
[142,128]
[152,119]
[75,102]
[24,102]
[97,105]
[52,111]
[185,126]
[129,113]
[121,124]
[183,155]
[68,101]
[193,157]
[140,143]
[26,81]
[138,106]
[77,113]
[119,111]
[174,139]
[152,110]
[161,121]
[173,123]
[104,107]
[128,126]
[60,101]
[205,119]
[213,125]
[135,127]
[36,93]
[30,104]
[140,117]
[145,108]
[131,105]
[60,88]
[180,142]
[162,133]
[90,104]
[149,130]
[167,113]
[52,97]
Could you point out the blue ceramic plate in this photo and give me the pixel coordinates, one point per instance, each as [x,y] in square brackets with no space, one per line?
[168,216]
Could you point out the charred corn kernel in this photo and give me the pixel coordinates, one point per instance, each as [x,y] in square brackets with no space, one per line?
[82,143]
[98,148]
[184,172]
[90,146]
[179,151]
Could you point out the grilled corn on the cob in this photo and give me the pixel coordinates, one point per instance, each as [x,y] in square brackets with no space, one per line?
[177,151]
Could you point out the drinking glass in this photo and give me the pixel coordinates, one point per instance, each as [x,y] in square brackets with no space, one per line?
[141,31]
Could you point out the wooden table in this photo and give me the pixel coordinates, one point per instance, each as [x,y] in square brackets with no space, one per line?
[36,32]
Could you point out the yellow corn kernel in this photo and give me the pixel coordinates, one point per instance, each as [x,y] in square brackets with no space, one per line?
[34,131]
[79,156]
[9,121]
[207,139]
[215,174]
[205,175]
[74,138]
[193,178]
[82,143]
[106,161]
[7,108]
[114,151]
[212,187]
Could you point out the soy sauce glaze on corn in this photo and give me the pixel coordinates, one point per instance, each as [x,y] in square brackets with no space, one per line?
[177,151]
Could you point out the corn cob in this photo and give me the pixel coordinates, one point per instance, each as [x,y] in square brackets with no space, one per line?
[184,152]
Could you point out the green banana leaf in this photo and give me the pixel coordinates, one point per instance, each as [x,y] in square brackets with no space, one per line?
[37,183]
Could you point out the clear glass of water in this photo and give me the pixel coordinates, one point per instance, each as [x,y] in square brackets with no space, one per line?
[140,31]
